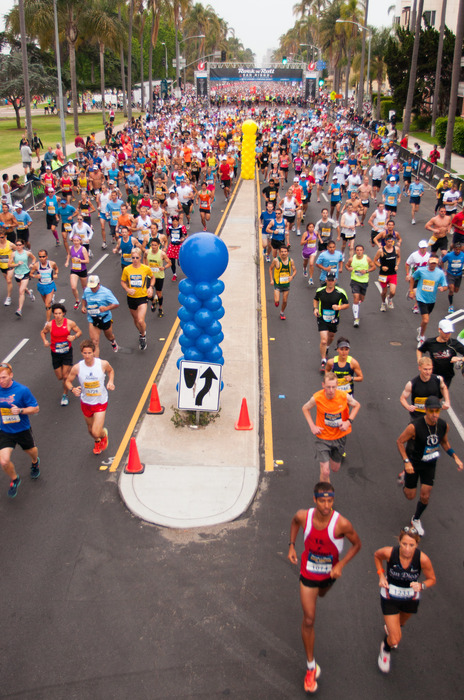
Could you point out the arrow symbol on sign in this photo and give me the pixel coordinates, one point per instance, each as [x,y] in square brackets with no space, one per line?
[208,375]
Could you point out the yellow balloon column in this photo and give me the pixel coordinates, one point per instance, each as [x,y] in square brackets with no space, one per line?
[249,129]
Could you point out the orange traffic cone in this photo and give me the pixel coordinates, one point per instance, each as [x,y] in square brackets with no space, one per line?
[244,422]
[134,465]
[155,406]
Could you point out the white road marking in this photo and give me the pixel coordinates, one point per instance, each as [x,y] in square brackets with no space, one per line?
[325,197]
[16,349]
[457,423]
[98,263]
[456,316]
[377,284]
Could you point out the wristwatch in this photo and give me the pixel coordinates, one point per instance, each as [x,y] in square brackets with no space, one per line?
[406,460]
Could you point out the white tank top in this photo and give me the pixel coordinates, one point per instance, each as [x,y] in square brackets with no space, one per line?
[92,382]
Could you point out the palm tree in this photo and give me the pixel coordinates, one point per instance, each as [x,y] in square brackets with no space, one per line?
[27,92]
[129,59]
[453,103]
[104,29]
[413,71]
[352,13]
[332,39]
[141,18]
[436,92]
[378,63]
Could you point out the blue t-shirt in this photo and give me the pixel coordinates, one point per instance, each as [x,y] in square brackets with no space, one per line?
[428,283]
[455,263]
[102,297]
[335,192]
[134,180]
[416,189]
[66,213]
[265,218]
[391,194]
[113,174]
[23,219]
[278,231]
[328,260]
[113,209]
[16,395]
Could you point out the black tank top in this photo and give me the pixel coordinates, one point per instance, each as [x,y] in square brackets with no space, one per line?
[421,390]
[399,577]
[425,447]
[388,260]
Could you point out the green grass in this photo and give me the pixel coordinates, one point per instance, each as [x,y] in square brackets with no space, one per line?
[49,130]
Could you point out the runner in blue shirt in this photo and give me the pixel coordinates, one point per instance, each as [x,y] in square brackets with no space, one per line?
[454,260]
[23,219]
[430,281]
[113,210]
[330,259]
[392,196]
[335,192]
[16,405]
[416,190]
[266,217]
[98,302]
[66,212]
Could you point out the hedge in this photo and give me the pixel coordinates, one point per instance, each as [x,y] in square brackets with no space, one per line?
[441,126]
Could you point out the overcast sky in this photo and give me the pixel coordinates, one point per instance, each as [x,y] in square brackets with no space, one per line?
[259,24]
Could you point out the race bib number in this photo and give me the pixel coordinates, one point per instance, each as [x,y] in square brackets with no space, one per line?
[419,403]
[284,279]
[333,420]
[136,281]
[93,310]
[62,347]
[383,278]
[399,592]
[67,227]
[115,215]
[76,264]
[431,453]
[8,417]
[328,315]
[391,200]
[319,563]
[92,388]
[51,209]
[428,285]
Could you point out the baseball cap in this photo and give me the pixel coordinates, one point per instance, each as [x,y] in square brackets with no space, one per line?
[343,344]
[331,276]
[93,281]
[18,205]
[50,189]
[423,243]
[335,177]
[295,179]
[63,201]
[392,179]
[446,326]
[303,175]
[48,167]
[432,402]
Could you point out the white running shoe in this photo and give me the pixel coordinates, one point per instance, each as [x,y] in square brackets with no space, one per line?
[384,659]
[418,525]
[383,307]
[7,301]
[390,303]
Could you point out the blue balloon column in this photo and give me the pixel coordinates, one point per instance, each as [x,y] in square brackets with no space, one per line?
[203,257]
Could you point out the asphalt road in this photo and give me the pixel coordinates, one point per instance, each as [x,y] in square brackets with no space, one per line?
[96,604]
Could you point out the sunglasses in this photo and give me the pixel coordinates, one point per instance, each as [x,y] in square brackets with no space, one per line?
[408,530]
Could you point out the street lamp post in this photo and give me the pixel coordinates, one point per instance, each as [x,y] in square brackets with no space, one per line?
[60,86]
[165,58]
[311,46]
[187,38]
[364,30]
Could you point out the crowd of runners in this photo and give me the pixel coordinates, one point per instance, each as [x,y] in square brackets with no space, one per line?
[324,183]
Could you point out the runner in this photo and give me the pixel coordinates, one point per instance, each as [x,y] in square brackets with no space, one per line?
[443,351]
[51,204]
[326,228]
[204,199]
[430,281]
[7,248]
[20,261]
[454,262]
[46,271]
[98,302]
[416,191]
[345,367]
[418,258]
[440,226]
[335,412]
[378,222]
[16,405]
[278,230]
[134,281]
[323,532]
[177,235]
[158,262]
[329,300]
[281,272]
[388,260]
[79,259]
[400,588]
[418,389]
[93,393]
[348,223]
[63,332]
[391,196]
[359,265]
[309,251]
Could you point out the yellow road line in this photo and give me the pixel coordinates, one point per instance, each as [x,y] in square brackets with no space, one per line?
[267,411]
[136,415]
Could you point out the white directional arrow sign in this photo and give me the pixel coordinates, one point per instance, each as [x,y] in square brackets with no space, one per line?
[199,386]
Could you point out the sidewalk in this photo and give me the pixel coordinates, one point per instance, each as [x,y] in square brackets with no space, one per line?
[197,478]
[457,162]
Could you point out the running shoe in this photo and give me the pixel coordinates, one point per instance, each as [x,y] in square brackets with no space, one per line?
[383,307]
[323,364]
[305,273]
[413,221]
[282,316]
[115,346]
[90,254]
[64,400]
[143,342]
[310,282]
[276,303]
[384,659]
[57,243]
[418,525]
[415,309]
[298,233]
[310,683]
[35,471]
[356,323]
[31,295]
[97,447]
[18,313]
[450,309]
[268,258]
[76,305]
[293,229]
[174,278]
[13,490]
[7,301]
[400,478]
[160,313]
[104,246]
[104,440]
[390,303]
